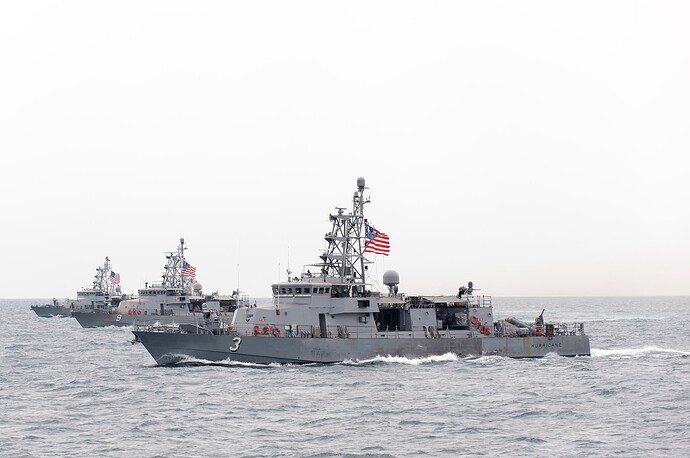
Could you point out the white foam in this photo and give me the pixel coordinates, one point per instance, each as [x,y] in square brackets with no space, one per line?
[408,361]
[647,350]
[486,359]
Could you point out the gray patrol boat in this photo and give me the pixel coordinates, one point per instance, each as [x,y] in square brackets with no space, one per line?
[335,316]
[54,309]
[102,295]
[177,299]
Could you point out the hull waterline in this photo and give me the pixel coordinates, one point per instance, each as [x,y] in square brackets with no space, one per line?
[168,348]
[49,311]
[98,320]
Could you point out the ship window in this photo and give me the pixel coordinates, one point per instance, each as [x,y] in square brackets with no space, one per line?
[289,290]
[306,290]
[282,290]
[275,290]
[298,290]
[326,290]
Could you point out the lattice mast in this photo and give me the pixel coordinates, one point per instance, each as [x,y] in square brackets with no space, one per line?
[101,281]
[172,277]
[343,257]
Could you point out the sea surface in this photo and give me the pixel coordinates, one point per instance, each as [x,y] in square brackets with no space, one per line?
[68,391]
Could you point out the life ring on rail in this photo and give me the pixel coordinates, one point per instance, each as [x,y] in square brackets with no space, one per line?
[264,330]
[276,331]
[256,330]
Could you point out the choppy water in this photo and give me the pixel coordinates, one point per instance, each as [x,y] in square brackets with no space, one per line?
[68,391]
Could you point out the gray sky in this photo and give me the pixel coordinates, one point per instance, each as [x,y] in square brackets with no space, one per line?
[535,148]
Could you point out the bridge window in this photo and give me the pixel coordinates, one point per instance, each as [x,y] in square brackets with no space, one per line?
[306,290]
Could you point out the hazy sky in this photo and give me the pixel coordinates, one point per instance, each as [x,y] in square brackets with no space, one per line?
[535,148]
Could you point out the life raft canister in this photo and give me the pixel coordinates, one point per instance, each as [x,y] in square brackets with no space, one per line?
[256,330]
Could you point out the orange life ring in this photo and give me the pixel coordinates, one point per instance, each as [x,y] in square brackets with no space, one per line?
[264,330]
[138,312]
[276,331]
[256,330]
[129,311]
[474,320]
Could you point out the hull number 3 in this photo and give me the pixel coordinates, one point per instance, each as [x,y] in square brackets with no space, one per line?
[237,341]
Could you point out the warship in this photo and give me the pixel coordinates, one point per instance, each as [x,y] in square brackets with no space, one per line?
[54,309]
[334,315]
[177,299]
[102,295]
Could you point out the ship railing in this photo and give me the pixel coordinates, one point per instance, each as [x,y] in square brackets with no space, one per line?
[333,331]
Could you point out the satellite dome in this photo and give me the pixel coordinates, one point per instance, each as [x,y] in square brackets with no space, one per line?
[360,183]
[391,278]
[117,289]
[197,286]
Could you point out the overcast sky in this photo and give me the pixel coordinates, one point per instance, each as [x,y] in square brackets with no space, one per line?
[535,148]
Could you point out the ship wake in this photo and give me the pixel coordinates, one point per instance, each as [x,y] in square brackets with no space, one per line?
[646,351]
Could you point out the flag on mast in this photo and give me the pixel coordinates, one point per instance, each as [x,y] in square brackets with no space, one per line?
[188,270]
[377,242]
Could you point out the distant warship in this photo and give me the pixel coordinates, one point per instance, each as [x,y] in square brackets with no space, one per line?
[54,309]
[101,296]
[334,315]
[177,299]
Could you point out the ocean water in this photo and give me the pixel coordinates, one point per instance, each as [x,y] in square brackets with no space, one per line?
[68,391]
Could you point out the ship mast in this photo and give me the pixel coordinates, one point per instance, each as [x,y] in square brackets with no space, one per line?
[172,277]
[108,287]
[343,257]
[100,280]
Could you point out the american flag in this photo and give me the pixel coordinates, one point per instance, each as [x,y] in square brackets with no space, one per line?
[377,242]
[114,278]
[188,270]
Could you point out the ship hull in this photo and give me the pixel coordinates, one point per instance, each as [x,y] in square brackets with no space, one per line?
[48,311]
[98,320]
[169,348]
